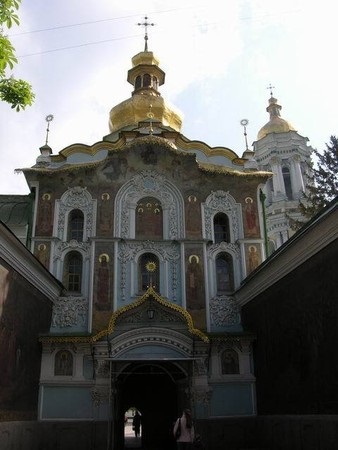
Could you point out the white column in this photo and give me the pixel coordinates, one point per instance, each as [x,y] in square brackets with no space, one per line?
[298,176]
[277,179]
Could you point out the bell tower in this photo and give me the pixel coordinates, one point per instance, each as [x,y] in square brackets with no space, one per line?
[281,150]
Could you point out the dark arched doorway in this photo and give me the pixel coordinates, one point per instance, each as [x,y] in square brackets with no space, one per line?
[155,389]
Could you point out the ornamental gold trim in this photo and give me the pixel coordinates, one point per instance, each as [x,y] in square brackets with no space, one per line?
[150,292]
[186,144]
[113,319]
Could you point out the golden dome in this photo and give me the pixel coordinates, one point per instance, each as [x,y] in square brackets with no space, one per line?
[276,124]
[146,101]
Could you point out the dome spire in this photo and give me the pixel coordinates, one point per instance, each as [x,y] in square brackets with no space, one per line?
[276,124]
[271,87]
[146,77]
[146,24]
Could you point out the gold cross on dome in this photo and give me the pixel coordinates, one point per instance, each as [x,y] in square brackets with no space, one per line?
[271,87]
[146,24]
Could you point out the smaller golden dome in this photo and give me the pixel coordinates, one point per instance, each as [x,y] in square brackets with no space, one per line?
[136,109]
[276,124]
[146,76]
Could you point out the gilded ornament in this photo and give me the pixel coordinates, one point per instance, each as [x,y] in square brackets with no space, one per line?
[151,266]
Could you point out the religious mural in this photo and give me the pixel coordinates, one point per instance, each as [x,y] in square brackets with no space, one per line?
[45,214]
[193,215]
[104,280]
[195,286]
[253,257]
[251,218]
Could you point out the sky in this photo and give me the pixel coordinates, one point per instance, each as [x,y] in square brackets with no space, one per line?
[219,57]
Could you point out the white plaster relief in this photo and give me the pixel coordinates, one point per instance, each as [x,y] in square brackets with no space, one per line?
[69,311]
[224,311]
[76,198]
[221,201]
[130,251]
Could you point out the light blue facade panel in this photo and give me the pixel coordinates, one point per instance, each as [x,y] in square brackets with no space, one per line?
[61,402]
[232,399]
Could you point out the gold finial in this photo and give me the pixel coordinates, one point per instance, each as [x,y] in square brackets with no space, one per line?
[271,87]
[151,266]
[244,123]
[151,116]
[48,119]
[146,24]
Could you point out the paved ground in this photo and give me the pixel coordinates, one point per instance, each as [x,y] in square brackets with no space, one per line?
[130,441]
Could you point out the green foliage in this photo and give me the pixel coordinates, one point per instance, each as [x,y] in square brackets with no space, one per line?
[7,55]
[18,93]
[322,183]
[7,12]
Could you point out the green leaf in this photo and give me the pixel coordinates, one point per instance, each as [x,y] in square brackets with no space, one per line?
[18,93]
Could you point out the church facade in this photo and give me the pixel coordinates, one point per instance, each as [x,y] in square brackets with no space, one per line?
[151,235]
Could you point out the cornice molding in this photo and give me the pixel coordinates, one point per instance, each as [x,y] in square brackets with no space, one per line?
[19,258]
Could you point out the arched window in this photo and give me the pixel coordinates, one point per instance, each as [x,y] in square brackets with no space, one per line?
[75,225]
[63,363]
[155,83]
[224,273]
[146,80]
[149,272]
[221,228]
[138,82]
[73,272]
[287,182]
[230,362]
[149,219]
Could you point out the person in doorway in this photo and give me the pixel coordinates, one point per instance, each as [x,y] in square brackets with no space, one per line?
[184,432]
[137,424]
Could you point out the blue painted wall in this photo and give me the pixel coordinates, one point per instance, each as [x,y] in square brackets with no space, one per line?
[232,399]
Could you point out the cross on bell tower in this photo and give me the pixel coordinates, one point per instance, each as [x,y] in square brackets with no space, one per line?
[146,24]
[270,87]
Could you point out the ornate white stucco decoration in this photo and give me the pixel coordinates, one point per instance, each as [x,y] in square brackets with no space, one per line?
[222,202]
[224,311]
[102,369]
[201,366]
[149,183]
[69,312]
[231,248]
[75,198]
[166,251]
[201,394]
[229,343]
[63,247]
[165,337]
[99,395]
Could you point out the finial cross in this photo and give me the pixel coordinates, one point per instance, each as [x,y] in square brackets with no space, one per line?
[48,119]
[271,87]
[146,24]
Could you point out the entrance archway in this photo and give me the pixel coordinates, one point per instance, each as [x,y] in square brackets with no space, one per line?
[157,390]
